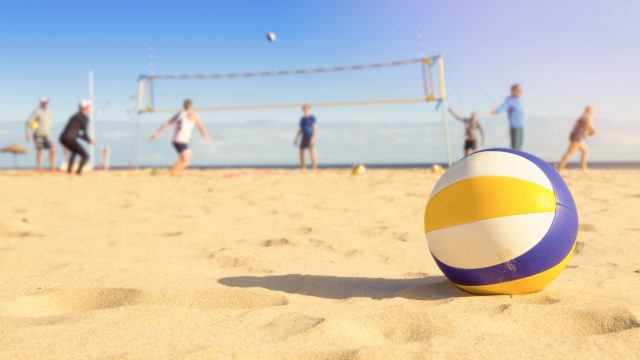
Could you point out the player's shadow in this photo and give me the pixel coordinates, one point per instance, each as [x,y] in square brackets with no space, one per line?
[335,287]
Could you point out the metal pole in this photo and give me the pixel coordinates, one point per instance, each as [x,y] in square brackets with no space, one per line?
[445,121]
[92,123]
[443,99]
[136,160]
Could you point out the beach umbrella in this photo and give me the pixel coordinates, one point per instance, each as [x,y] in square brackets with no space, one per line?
[16,150]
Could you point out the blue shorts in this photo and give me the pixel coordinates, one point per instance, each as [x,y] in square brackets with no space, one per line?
[180,147]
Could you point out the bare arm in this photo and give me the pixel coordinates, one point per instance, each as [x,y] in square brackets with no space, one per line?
[315,132]
[592,129]
[456,116]
[164,125]
[28,130]
[202,129]
[298,134]
[481,133]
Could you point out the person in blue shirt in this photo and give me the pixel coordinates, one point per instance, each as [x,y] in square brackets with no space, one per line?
[307,131]
[513,107]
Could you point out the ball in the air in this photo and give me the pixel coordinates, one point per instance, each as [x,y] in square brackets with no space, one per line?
[501,221]
[271,37]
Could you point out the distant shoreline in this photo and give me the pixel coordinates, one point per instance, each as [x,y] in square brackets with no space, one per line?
[573,165]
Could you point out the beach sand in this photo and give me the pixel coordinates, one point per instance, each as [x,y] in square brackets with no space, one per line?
[277,264]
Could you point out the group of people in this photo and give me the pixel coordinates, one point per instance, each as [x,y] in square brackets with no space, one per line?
[38,129]
[184,121]
[513,107]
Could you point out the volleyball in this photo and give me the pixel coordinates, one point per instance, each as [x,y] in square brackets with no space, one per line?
[358,170]
[501,221]
[33,124]
[271,37]
[437,169]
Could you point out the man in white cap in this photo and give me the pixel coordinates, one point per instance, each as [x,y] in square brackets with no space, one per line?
[75,129]
[38,129]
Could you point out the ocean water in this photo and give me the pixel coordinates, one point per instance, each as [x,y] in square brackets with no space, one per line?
[391,144]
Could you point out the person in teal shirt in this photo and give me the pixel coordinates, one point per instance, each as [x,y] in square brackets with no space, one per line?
[513,107]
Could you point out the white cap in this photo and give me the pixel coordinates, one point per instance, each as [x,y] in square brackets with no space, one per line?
[44,100]
[85,103]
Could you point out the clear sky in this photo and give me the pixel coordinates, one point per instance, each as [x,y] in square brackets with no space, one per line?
[566,54]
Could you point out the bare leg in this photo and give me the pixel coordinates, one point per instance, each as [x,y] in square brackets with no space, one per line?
[182,162]
[302,159]
[39,159]
[52,158]
[584,156]
[567,155]
[466,151]
[314,161]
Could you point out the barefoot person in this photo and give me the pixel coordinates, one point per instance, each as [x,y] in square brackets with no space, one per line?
[583,128]
[513,107]
[471,124]
[75,129]
[39,128]
[307,131]
[184,121]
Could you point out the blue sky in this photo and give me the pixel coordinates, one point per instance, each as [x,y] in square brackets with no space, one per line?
[566,54]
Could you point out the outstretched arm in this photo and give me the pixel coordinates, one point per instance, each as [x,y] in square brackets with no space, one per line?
[164,125]
[456,116]
[500,109]
[202,129]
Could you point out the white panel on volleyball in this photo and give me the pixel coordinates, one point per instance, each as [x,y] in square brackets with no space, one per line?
[493,163]
[489,242]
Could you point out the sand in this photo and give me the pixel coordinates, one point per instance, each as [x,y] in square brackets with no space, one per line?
[277,264]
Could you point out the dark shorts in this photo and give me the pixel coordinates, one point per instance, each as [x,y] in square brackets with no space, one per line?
[42,142]
[470,144]
[305,143]
[180,147]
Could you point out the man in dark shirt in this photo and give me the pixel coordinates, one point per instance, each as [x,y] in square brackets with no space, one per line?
[75,129]
[307,132]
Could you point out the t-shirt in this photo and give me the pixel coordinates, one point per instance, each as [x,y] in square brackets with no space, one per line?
[306,126]
[43,120]
[513,107]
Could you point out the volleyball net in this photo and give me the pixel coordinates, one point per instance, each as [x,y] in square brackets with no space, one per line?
[429,73]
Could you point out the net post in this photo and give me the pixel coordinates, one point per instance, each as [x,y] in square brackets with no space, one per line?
[443,100]
[141,94]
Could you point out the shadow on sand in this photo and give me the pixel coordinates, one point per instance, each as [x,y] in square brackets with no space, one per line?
[334,287]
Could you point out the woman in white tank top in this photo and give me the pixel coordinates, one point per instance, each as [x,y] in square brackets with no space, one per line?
[184,122]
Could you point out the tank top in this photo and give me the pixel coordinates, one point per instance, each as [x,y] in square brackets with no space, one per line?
[184,128]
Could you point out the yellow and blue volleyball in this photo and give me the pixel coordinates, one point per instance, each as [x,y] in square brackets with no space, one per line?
[359,169]
[501,221]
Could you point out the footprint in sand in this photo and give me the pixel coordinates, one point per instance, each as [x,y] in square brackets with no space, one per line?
[74,301]
[288,325]
[275,242]
[570,321]
[17,228]
[304,230]
[579,247]
[172,233]
[402,325]
[587,227]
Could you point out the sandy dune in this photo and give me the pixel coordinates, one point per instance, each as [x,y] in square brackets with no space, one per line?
[278,264]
